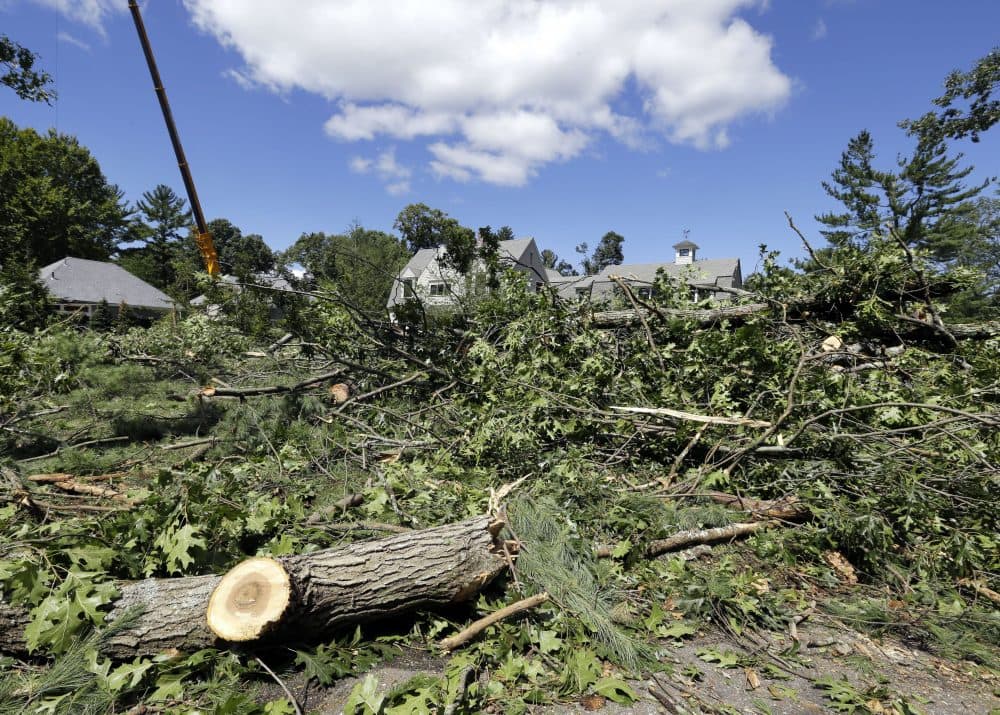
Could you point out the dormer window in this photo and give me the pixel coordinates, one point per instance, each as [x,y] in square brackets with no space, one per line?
[408,288]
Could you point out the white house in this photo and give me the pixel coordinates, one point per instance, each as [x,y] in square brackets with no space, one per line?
[426,277]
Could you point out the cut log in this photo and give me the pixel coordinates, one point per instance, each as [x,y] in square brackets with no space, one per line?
[327,590]
[249,601]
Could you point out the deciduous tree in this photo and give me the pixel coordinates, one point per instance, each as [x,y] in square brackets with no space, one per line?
[18,71]
[968,107]
[54,199]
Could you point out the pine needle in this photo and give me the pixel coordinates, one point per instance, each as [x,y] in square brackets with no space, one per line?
[553,559]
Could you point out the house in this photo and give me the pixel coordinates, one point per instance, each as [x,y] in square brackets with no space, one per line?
[426,276]
[270,282]
[79,284]
[703,273]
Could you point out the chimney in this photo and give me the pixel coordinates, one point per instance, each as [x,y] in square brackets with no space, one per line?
[684,252]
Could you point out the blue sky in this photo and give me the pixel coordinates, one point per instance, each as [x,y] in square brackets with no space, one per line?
[563,120]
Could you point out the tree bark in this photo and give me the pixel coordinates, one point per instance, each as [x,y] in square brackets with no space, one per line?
[331,589]
[225,391]
[684,539]
[620,318]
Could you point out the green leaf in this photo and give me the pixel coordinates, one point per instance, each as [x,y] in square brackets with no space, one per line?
[621,549]
[60,616]
[128,675]
[616,689]
[583,669]
[169,686]
[365,698]
[678,630]
[549,642]
[177,545]
[723,658]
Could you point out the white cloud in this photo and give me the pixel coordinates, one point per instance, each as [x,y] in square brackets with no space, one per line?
[500,88]
[395,175]
[88,12]
[819,29]
[239,78]
[70,40]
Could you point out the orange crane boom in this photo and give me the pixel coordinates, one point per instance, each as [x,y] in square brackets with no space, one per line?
[204,238]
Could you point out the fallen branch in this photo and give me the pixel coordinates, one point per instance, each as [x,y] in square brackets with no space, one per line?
[787,508]
[693,417]
[75,487]
[269,389]
[379,390]
[62,477]
[86,443]
[621,318]
[477,627]
[691,537]
[981,588]
[192,443]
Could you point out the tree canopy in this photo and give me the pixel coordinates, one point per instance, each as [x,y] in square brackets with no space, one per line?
[608,252]
[919,202]
[18,71]
[361,264]
[54,199]
[968,107]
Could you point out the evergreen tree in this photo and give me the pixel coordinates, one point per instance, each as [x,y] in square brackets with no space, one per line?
[854,185]
[922,203]
[165,218]
[607,253]
[103,318]
[974,87]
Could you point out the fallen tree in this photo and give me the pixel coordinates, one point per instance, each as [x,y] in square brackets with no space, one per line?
[296,597]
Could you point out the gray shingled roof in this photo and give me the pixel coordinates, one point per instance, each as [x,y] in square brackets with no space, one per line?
[79,280]
[420,260]
[719,271]
[513,249]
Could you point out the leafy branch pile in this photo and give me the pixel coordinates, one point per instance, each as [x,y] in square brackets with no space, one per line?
[840,391]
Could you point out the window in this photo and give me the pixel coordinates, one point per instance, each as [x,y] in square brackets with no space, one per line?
[644,292]
[407,287]
[439,288]
[538,286]
[685,252]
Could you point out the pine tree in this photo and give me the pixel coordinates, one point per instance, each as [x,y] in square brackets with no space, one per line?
[923,203]
[855,183]
[166,217]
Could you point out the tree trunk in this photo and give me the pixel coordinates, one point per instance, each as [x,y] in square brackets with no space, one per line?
[329,589]
[621,318]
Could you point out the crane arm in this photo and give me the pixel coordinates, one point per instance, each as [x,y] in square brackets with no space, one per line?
[204,238]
